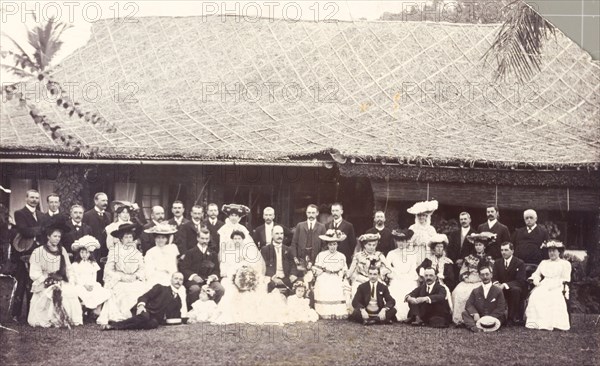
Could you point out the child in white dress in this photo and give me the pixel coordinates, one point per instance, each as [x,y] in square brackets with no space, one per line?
[85,268]
[204,308]
[298,305]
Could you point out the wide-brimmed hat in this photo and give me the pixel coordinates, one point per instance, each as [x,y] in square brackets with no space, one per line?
[553,244]
[438,239]
[333,236]
[124,229]
[119,206]
[488,323]
[56,222]
[402,234]
[163,228]
[365,238]
[86,241]
[234,208]
[423,207]
[485,237]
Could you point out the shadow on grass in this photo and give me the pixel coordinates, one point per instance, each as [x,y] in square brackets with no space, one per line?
[326,342]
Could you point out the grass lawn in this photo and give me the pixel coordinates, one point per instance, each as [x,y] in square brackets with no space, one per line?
[326,342]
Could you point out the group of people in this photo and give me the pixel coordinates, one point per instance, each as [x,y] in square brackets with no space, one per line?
[125,275]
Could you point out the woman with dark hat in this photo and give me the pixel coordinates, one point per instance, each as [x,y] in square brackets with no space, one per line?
[403,275]
[124,275]
[442,265]
[161,259]
[330,271]
[547,308]
[123,211]
[235,213]
[363,260]
[54,301]
[469,273]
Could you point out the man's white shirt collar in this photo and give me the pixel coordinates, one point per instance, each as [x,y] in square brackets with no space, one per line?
[486,289]
[491,223]
[31,209]
[531,229]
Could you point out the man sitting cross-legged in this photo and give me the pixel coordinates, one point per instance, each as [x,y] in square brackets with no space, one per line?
[486,300]
[372,302]
[157,306]
[428,304]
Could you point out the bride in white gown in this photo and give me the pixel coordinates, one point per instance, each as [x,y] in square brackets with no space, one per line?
[246,299]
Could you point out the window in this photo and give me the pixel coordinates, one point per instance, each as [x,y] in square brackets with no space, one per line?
[151,196]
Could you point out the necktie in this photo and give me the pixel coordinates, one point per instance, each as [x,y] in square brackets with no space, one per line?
[372,290]
[34,216]
[174,294]
[428,289]
[505,264]
[310,225]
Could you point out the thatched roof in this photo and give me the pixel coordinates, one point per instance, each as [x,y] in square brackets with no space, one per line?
[402,91]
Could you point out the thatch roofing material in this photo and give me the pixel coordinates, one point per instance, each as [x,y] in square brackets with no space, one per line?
[379,74]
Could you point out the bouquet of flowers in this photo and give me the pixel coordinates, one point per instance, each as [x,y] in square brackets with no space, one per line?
[245,279]
[52,283]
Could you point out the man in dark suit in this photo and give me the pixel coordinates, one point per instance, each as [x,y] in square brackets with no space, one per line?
[177,220]
[279,261]
[485,300]
[78,229]
[428,304]
[372,302]
[187,235]
[28,224]
[529,239]
[494,226]
[200,266]
[306,244]
[262,233]
[348,246]
[386,241]
[214,224]
[98,219]
[509,275]
[53,201]
[156,307]
[459,247]
[157,215]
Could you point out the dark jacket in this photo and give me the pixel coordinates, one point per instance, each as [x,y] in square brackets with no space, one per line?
[514,276]
[386,243]
[494,305]
[503,235]
[260,237]
[347,246]
[201,264]
[363,296]
[287,260]
[160,303]
[448,272]
[306,242]
[458,250]
[527,245]
[69,238]
[98,225]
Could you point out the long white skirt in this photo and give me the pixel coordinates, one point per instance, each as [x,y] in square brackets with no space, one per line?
[123,297]
[547,309]
[252,307]
[42,312]
[460,295]
[92,299]
[330,300]
[399,288]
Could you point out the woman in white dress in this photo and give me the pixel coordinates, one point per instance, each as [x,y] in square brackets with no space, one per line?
[235,213]
[547,308]
[367,257]
[85,269]
[469,274]
[422,229]
[123,216]
[246,299]
[54,301]
[161,260]
[403,277]
[124,276]
[330,270]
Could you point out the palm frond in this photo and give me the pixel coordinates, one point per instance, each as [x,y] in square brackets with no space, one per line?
[17,71]
[45,39]
[518,46]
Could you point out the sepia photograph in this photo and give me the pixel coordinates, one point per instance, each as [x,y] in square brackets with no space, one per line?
[407,182]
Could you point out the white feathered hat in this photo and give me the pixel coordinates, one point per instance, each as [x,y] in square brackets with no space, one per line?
[423,207]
